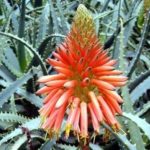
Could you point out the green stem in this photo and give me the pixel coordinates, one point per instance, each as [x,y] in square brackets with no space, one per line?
[21,50]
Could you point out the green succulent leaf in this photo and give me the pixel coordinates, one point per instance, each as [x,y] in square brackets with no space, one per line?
[66,147]
[7,92]
[12,117]
[48,145]
[32,98]
[43,26]
[32,124]
[140,89]
[141,123]
[11,62]
[35,53]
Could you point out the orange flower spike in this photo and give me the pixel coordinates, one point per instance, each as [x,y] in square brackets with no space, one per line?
[85,73]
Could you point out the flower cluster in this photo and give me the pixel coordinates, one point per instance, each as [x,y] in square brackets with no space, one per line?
[84,87]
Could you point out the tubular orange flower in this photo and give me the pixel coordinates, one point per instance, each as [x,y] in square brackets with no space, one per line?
[84,85]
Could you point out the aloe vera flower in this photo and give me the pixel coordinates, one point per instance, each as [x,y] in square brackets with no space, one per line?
[84,88]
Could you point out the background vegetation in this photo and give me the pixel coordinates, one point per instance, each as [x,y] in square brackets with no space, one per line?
[30,31]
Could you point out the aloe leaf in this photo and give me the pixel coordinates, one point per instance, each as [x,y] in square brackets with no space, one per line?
[54,19]
[141,123]
[6,8]
[105,5]
[11,62]
[66,147]
[12,104]
[141,44]
[43,24]
[15,23]
[5,74]
[140,89]
[146,60]
[110,41]
[12,117]
[133,11]
[134,131]
[3,83]
[116,52]
[48,145]
[127,143]
[32,98]
[63,20]
[139,80]
[35,53]
[104,14]
[144,110]
[3,47]
[6,93]
[95,147]
[32,124]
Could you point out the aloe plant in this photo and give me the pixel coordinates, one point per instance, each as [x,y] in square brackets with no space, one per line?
[30,32]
